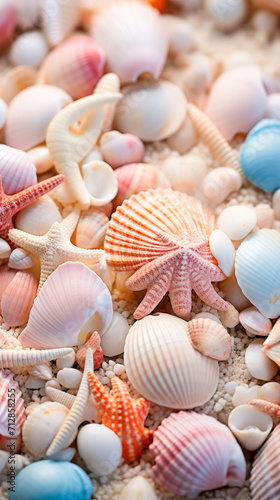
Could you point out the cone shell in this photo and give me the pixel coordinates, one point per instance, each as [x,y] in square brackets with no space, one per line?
[16,169]
[21,259]
[134,38]
[120,149]
[162,365]
[219,183]
[254,322]
[17,299]
[194,453]
[209,338]
[59,23]
[16,80]
[10,397]
[38,217]
[80,303]
[91,229]
[75,66]
[223,250]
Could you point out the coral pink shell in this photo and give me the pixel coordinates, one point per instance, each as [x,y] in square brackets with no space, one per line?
[94,344]
[18,298]
[17,170]
[9,390]
[209,338]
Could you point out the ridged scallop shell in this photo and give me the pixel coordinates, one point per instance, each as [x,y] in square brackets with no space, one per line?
[91,229]
[274,335]
[237,100]
[250,426]
[18,297]
[194,453]
[138,488]
[120,149]
[162,365]
[30,113]
[254,322]
[21,259]
[10,397]
[80,303]
[75,66]
[133,36]
[257,268]
[16,169]
[219,183]
[138,177]
[209,338]
[273,353]
[16,80]
[20,357]
[59,22]
[151,110]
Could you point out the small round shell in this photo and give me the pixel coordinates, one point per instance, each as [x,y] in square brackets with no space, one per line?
[209,338]
[91,229]
[38,217]
[258,364]
[237,221]
[120,149]
[223,250]
[29,49]
[254,322]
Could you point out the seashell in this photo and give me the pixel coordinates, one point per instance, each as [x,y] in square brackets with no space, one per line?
[66,362]
[20,357]
[254,322]
[8,17]
[16,169]
[237,100]
[67,480]
[75,66]
[180,33]
[138,177]
[151,111]
[91,412]
[100,182]
[134,38]
[265,215]
[152,232]
[178,466]
[138,488]
[34,383]
[184,138]
[38,217]
[274,335]
[208,316]
[259,153]
[209,338]
[6,277]
[197,77]
[229,18]
[269,5]
[237,221]
[104,272]
[41,371]
[233,293]
[217,144]
[270,392]
[80,303]
[119,149]
[29,49]
[5,249]
[58,24]
[66,455]
[223,250]
[30,113]
[273,106]
[18,297]
[10,397]
[27,14]
[95,154]
[257,363]
[91,229]
[16,80]
[185,173]
[264,479]
[243,395]
[3,113]
[162,365]
[250,426]
[94,344]
[21,259]
[41,158]
[219,183]
[256,268]
[108,83]
[273,353]
[69,378]
[64,144]
[100,448]
[113,340]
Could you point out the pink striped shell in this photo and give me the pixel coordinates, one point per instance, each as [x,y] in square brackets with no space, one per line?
[17,170]
[18,297]
[10,397]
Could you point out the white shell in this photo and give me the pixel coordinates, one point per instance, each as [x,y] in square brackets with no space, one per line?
[270,392]
[134,38]
[21,259]
[184,138]
[254,322]
[27,13]
[113,340]
[100,448]
[265,215]
[180,32]
[22,357]
[28,49]
[38,217]
[80,303]
[219,183]
[273,106]
[3,113]
[34,383]
[100,182]
[69,378]
[41,158]
[120,149]
[228,17]
[250,426]
[185,172]
[237,221]
[138,488]
[163,366]
[66,455]
[59,19]
[233,293]
[258,364]
[243,395]
[41,371]
[274,335]
[16,169]
[104,272]
[5,249]
[223,250]
[151,111]
[66,361]
[108,83]
[209,338]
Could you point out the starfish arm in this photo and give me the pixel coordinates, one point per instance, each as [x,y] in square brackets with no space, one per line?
[103,399]
[120,390]
[180,294]
[82,254]
[68,225]
[271,409]
[141,410]
[205,291]
[154,295]
[147,274]
[27,241]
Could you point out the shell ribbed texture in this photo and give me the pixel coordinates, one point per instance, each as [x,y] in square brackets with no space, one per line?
[21,357]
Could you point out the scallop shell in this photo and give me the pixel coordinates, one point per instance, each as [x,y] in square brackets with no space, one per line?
[138,177]
[209,338]
[185,172]
[41,158]
[94,344]
[10,397]
[194,453]
[257,268]
[257,363]
[254,322]
[21,259]
[120,149]
[270,392]
[227,18]
[237,100]
[16,169]
[108,83]
[16,80]
[100,182]
[30,113]
[162,365]
[223,250]
[42,371]
[59,22]
[274,335]
[91,229]
[17,299]
[273,353]
[29,49]
[250,426]
[75,66]
[151,111]
[138,488]
[20,357]
[134,38]
[80,303]
[219,183]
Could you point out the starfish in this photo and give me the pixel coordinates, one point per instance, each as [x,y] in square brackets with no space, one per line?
[123,415]
[55,248]
[267,407]
[10,205]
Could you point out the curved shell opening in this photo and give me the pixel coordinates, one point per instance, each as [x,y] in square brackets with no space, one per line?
[100,181]
[94,323]
[245,417]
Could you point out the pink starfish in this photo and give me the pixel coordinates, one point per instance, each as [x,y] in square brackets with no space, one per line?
[10,205]
[267,407]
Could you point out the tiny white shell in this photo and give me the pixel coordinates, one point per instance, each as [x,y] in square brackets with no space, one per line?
[21,259]
[185,172]
[270,392]
[16,169]
[100,181]
[243,395]
[223,250]
[250,426]
[180,32]
[254,322]
[228,17]
[219,183]
[66,361]
[41,158]
[138,488]
[113,340]
[120,149]
[34,383]
[237,221]
[257,363]
[28,49]
[69,378]
[265,215]
[38,217]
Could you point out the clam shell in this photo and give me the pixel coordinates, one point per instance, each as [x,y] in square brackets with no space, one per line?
[30,113]
[113,340]
[151,111]
[41,158]
[265,216]
[100,182]
[250,426]
[223,250]
[254,322]
[69,378]
[28,49]
[209,338]
[38,217]
[21,259]
[258,364]
[185,172]
[75,66]
[227,19]
[138,488]
[162,365]
[10,397]
[80,303]
[273,106]
[186,440]
[16,80]
[270,392]
[120,149]
[17,170]
[91,229]
[237,222]
[18,297]
[134,38]
[20,357]
[59,23]
[219,183]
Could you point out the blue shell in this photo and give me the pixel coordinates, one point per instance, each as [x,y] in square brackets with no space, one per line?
[49,480]
[260,155]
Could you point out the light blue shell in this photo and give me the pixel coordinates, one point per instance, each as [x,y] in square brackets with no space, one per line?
[260,155]
[257,269]
[49,480]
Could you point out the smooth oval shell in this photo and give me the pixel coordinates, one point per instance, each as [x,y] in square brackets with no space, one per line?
[162,365]
[258,364]
[250,426]
[223,250]
[185,172]
[41,158]
[91,229]
[28,49]
[254,322]
[17,299]
[138,488]
[209,338]
[17,170]
[184,138]
[265,216]
[270,392]
[38,217]
[113,340]
[69,378]
[237,221]
[233,293]
[120,149]
[10,397]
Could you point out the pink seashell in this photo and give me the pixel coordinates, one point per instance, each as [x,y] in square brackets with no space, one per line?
[8,19]
[138,177]
[94,344]
[16,169]
[6,277]
[254,322]
[194,453]
[2,341]
[209,338]
[237,100]
[119,149]
[9,391]
[75,66]
[18,299]
[91,229]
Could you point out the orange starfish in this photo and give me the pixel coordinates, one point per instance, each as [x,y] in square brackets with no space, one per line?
[267,407]
[10,205]
[123,415]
